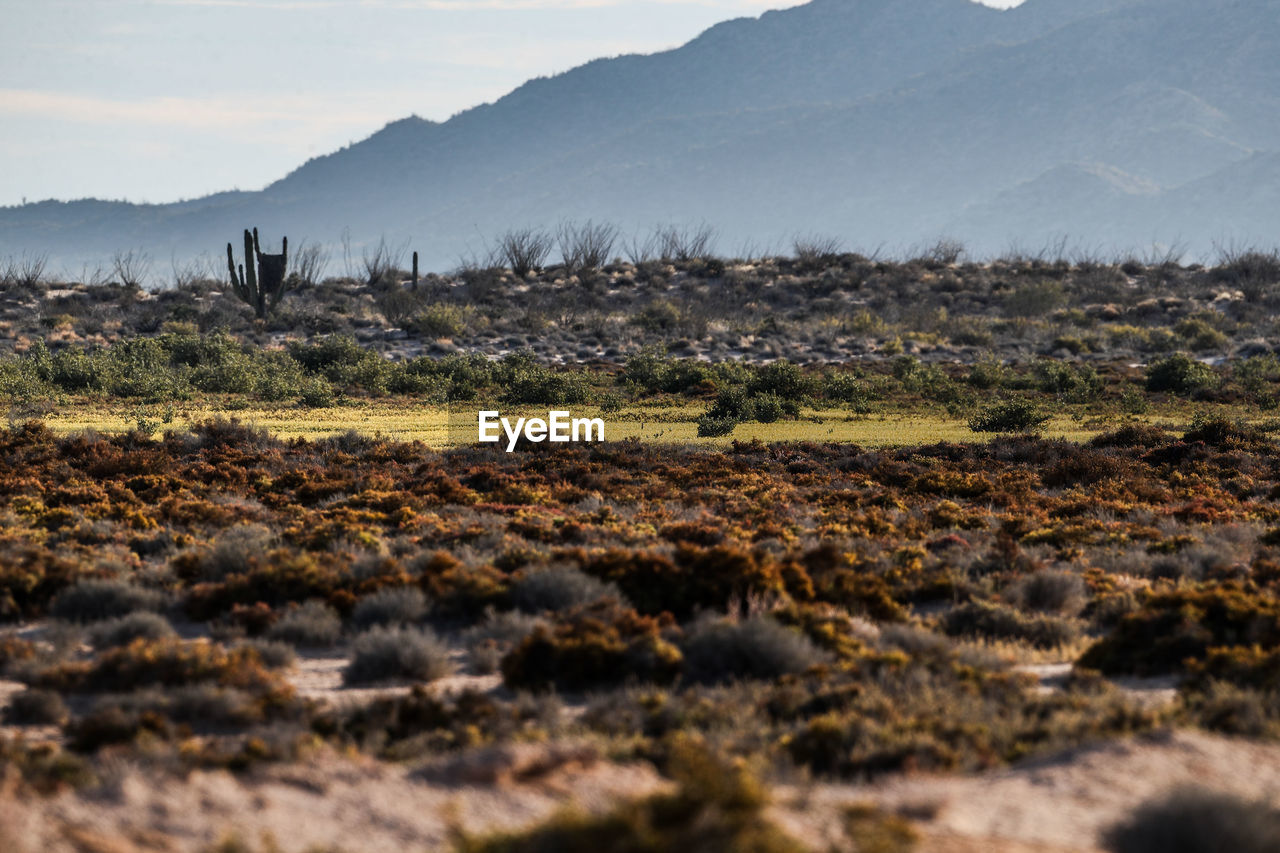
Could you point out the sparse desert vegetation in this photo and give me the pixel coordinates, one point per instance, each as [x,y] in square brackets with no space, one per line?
[1090,556]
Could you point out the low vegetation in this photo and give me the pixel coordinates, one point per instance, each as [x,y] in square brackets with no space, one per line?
[733,611]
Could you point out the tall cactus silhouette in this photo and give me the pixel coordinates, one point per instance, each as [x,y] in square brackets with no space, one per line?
[260,284]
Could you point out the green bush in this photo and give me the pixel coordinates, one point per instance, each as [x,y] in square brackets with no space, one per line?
[653,374]
[928,380]
[439,321]
[1077,383]
[1199,335]
[1035,300]
[1259,377]
[849,389]
[987,373]
[277,377]
[316,392]
[782,379]
[768,408]
[1180,374]
[714,427]
[342,361]
[1015,415]
[524,381]
[77,370]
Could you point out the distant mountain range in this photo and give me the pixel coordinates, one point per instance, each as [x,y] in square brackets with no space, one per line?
[1113,123]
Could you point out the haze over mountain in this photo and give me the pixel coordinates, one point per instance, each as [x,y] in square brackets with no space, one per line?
[1113,123]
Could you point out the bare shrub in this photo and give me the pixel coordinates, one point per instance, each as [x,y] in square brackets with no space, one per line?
[390,606]
[1196,820]
[586,247]
[997,622]
[95,600]
[558,588]
[309,262]
[25,271]
[944,251]
[185,276]
[642,251]
[382,262]
[126,629]
[36,707]
[1248,268]
[274,654]
[314,624]
[525,250]
[131,268]
[719,650]
[684,243]
[234,548]
[490,640]
[386,654]
[813,248]
[917,642]
[1063,593]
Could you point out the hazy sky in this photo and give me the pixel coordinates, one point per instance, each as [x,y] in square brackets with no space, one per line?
[156,100]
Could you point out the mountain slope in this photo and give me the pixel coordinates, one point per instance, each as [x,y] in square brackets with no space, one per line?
[882,121]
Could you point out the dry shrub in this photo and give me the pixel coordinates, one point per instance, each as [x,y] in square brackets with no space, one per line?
[166,663]
[389,654]
[36,707]
[1197,820]
[558,588]
[126,629]
[390,606]
[1181,625]
[314,624]
[593,646]
[696,579]
[993,621]
[1060,593]
[93,600]
[718,806]
[718,650]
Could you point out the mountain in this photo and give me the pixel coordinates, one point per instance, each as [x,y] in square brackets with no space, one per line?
[1115,123]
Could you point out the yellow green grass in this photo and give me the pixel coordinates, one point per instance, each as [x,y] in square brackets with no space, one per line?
[440,426]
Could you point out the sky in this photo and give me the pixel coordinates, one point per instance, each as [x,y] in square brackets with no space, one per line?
[161,100]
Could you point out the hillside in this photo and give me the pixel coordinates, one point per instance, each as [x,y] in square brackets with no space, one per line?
[881,121]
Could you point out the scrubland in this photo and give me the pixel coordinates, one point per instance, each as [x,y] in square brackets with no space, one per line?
[864,594]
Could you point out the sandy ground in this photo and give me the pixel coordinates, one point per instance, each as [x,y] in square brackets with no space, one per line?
[1052,805]
[358,805]
[331,802]
[1064,802]
[320,677]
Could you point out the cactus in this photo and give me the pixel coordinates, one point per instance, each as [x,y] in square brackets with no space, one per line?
[261,280]
[415,269]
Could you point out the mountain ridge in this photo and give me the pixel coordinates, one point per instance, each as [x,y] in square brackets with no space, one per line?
[880,121]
